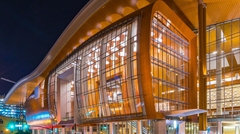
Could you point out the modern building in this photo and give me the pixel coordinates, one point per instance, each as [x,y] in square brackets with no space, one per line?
[12,117]
[12,111]
[129,67]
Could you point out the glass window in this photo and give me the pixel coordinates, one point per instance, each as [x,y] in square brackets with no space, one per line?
[169,65]
[106,74]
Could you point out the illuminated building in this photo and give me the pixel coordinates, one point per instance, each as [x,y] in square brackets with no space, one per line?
[12,111]
[131,66]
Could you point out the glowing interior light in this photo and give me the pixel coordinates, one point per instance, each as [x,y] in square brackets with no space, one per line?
[96,66]
[94,48]
[90,62]
[135,47]
[97,58]
[160,38]
[122,53]
[123,44]
[116,39]
[88,113]
[215,52]
[152,34]
[175,124]
[89,55]
[223,39]
[114,49]
[91,70]
[135,38]
[107,62]
[113,57]
[181,51]
[168,23]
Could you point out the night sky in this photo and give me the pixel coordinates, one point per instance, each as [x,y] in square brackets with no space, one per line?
[28,30]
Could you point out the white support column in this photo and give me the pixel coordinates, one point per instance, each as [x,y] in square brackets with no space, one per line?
[111,128]
[236,129]
[219,127]
[139,127]
[45,131]
[90,130]
[182,128]
[84,130]
[160,127]
[219,91]
[202,132]
[33,131]
[63,130]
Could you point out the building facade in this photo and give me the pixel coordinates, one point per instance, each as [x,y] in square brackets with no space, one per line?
[223,75]
[133,72]
[126,76]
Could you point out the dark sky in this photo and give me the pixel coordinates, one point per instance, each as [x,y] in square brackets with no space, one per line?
[28,30]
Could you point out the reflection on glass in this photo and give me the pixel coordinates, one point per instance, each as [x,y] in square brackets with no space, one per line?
[223,68]
[169,62]
[108,87]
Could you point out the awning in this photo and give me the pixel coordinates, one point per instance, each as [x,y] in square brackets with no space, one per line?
[183,113]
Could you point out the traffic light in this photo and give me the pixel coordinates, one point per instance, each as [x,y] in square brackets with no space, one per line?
[11,126]
[25,126]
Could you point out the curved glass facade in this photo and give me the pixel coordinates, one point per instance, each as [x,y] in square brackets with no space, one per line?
[169,65]
[106,75]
